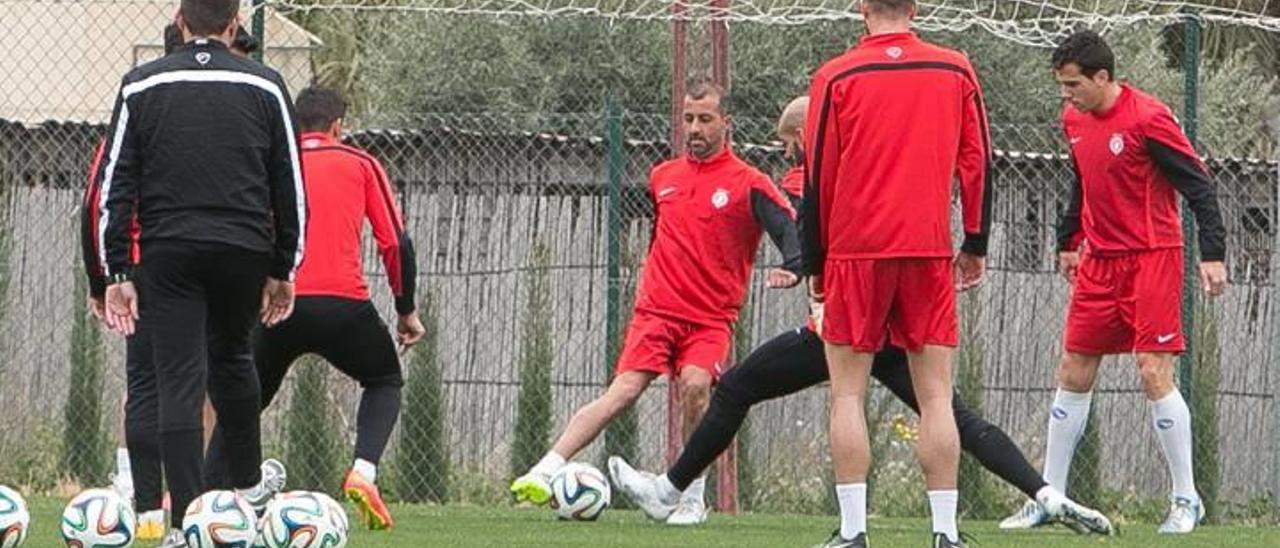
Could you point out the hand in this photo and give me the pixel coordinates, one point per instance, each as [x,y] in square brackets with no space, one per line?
[969,270]
[277,302]
[1068,265]
[97,307]
[817,312]
[817,290]
[409,330]
[121,308]
[1213,277]
[777,278]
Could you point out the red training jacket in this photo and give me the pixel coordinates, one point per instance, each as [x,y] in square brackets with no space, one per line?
[891,123]
[793,182]
[345,186]
[1131,161]
[708,226]
[89,216]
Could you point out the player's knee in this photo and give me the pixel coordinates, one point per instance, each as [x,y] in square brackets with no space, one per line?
[1156,373]
[1075,373]
[695,384]
[624,391]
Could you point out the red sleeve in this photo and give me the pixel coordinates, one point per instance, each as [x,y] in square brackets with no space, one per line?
[1163,128]
[822,136]
[380,207]
[89,215]
[973,168]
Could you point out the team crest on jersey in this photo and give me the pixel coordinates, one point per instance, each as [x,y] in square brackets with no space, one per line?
[720,198]
[203,57]
[1117,144]
[894,52]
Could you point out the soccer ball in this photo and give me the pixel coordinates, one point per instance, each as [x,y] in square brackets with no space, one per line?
[300,519]
[14,518]
[336,514]
[579,492]
[219,519]
[98,518]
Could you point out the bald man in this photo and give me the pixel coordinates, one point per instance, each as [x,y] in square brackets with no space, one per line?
[795,360]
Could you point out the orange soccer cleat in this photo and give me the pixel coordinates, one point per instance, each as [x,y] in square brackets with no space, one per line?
[365,495]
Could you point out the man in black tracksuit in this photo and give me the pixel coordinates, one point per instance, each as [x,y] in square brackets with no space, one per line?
[203,149]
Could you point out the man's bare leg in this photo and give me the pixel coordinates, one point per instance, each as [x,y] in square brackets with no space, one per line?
[695,396]
[586,424]
[938,447]
[850,446]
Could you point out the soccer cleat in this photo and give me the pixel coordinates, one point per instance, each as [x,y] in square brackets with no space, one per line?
[641,488]
[533,488]
[941,541]
[1184,515]
[368,501]
[837,541]
[690,511]
[151,525]
[272,482]
[1082,519]
[1030,516]
[173,539]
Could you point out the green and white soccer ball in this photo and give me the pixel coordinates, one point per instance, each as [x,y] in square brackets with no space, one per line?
[219,519]
[14,518]
[579,492]
[301,519]
[98,518]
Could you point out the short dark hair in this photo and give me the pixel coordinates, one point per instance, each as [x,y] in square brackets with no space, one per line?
[704,89]
[1088,50]
[889,6]
[317,108]
[172,38]
[208,17]
[245,41]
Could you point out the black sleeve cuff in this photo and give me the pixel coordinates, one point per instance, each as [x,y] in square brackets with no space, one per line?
[975,244]
[1214,256]
[282,273]
[405,305]
[97,286]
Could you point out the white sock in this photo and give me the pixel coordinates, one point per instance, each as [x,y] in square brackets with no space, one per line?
[943,506]
[1172,421]
[551,463]
[122,461]
[666,491]
[1067,420]
[696,490]
[853,509]
[367,469]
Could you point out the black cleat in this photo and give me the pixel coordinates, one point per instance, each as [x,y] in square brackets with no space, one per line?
[941,541]
[837,541]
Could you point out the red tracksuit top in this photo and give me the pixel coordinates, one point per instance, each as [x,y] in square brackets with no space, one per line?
[346,185]
[1131,161]
[89,216]
[793,182]
[708,226]
[891,123]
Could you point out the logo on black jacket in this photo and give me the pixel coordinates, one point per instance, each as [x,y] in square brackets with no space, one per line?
[203,57]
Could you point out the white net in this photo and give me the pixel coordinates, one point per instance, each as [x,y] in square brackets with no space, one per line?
[1029,22]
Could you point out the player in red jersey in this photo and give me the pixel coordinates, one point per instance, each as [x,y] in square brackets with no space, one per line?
[710,208]
[334,316]
[1131,160]
[891,124]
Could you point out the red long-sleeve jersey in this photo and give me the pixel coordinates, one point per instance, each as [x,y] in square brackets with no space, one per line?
[708,227]
[345,186]
[793,182]
[891,123]
[89,217]
[1131,161]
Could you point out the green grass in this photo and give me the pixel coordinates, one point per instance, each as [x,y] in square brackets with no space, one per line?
[463,526]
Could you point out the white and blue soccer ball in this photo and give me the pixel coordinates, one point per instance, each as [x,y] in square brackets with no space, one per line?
[220,519]
[302,519]
[579,492]
[15,519]
[98,518]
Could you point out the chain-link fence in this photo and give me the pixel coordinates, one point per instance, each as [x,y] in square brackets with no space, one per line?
[520,145]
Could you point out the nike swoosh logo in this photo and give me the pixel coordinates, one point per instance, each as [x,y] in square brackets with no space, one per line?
[666,191]
[1162,339]
[1075,140]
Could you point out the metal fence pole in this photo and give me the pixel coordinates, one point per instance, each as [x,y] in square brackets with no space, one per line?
[1190,261]
[679,33]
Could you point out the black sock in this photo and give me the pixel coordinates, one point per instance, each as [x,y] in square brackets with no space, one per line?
[379,410]
[997,453]
[182,462]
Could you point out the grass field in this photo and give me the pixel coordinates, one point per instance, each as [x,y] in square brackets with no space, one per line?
[466,526]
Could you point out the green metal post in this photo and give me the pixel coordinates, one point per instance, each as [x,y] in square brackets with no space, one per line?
[619,439]
[259,28]
[1191,261]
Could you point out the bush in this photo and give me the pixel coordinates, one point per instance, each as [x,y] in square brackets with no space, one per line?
[86,448]
[315,460]
[533,408]
[422,459]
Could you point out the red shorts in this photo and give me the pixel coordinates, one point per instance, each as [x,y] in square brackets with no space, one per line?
[910,302]
[662,345]
[1127,303]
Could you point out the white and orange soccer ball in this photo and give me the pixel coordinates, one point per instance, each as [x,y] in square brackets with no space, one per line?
[219,518]
[301,519]
[98,518]
[15,519]
[579,492]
